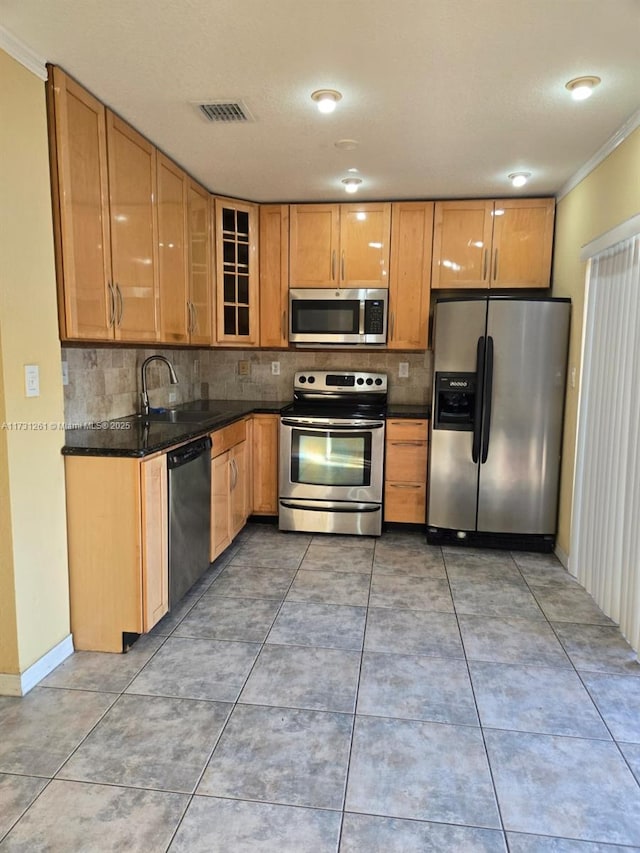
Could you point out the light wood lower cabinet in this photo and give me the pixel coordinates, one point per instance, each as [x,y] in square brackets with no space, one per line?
[118,548]
[405,485]
[264,464]
[229,489]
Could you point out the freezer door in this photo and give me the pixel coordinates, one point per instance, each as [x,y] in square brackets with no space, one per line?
[518,486]
[453,475]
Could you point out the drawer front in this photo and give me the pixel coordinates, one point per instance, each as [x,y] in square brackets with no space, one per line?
[406,460]
[405,502]
[407,429]
[227,437]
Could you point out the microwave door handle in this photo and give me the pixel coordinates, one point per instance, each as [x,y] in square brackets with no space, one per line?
[363,304]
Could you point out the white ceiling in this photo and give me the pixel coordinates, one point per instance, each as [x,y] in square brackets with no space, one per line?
[445,97]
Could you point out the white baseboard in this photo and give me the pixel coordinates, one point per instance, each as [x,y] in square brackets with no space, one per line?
[19,685]
[564,558]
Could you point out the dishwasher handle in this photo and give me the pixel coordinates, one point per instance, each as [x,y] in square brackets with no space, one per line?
[188,452]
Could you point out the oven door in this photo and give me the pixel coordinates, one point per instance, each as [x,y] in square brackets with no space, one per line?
[325,459]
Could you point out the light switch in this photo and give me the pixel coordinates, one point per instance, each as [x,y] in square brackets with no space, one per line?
[32,380]
[403,369]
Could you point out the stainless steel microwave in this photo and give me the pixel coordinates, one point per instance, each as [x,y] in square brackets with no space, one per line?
[343,317]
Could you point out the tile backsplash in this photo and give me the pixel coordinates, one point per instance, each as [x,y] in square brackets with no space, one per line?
[104,382]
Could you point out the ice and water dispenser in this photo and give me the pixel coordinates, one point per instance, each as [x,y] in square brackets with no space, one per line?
[455,401]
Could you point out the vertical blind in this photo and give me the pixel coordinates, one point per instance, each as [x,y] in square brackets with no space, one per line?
[605,542]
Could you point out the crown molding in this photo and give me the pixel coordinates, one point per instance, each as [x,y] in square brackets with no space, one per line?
[601,154]
[22,53]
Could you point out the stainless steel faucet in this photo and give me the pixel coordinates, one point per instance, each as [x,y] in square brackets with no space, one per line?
[145,394]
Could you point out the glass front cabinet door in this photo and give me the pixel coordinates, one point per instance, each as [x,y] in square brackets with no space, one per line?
[237,272]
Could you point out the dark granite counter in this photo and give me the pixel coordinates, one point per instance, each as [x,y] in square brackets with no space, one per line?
[409,410]
[133,436]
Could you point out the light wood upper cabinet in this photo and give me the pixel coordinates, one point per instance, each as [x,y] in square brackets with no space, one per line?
[500,244]
[200,264]
[339,245]
[185,257]
[462,244]
[410,275]
[314,245]
[134,229]
[522,242]
[172,252]
[78,148]
[236,272]
[274,275]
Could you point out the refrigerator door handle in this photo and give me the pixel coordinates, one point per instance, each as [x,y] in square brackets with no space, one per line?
[488,389]
[477,415]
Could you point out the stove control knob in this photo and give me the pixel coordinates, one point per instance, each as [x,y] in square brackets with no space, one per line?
[302,380]
[378,381]
[311,380]
[369,381]
[360,380]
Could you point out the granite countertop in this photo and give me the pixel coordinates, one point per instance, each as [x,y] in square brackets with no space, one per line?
[131,436]
[409,410]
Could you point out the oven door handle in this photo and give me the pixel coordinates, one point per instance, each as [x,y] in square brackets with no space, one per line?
[354,426]
[353,508]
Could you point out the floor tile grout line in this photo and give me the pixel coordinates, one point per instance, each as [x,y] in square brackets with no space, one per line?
[475,702]
[234,705]
[355,705]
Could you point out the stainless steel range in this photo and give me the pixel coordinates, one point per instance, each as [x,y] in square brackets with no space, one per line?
[332,453]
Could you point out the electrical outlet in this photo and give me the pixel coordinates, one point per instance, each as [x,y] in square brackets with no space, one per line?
[65,372]
[403,370]
[275,368]
[196,368]
[172,396]
[243,368]
[31,380]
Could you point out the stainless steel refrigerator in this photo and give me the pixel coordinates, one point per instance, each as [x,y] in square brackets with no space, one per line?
[496,427]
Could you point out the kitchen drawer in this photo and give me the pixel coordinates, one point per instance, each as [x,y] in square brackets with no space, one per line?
[228,437]
[405,502]
[406,460]
[405,428]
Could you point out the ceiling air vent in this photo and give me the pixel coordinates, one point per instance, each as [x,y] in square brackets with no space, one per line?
[225,111]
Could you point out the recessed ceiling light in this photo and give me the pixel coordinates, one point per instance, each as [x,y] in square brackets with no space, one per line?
[351,184]
[353,169]
[346,144]
[326,99]
[519,179]
[582,87]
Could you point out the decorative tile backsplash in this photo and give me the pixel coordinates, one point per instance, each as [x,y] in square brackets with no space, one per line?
[104,382]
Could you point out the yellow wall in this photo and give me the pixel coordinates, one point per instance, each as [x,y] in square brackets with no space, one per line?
[605,198]
[33,550]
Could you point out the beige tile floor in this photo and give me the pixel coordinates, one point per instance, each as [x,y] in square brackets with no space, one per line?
[318,694]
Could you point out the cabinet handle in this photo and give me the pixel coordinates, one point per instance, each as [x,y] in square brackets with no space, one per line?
[392,323]
[484,267]
[333,265]
[189,318]
[405,485]
[407,443]
[234,474]
[342,265]
[112,305]
[495,265]
[284,325]
[194,308]
[120,306]
[407,423]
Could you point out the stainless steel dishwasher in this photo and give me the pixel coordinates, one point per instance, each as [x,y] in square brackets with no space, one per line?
[189,469]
